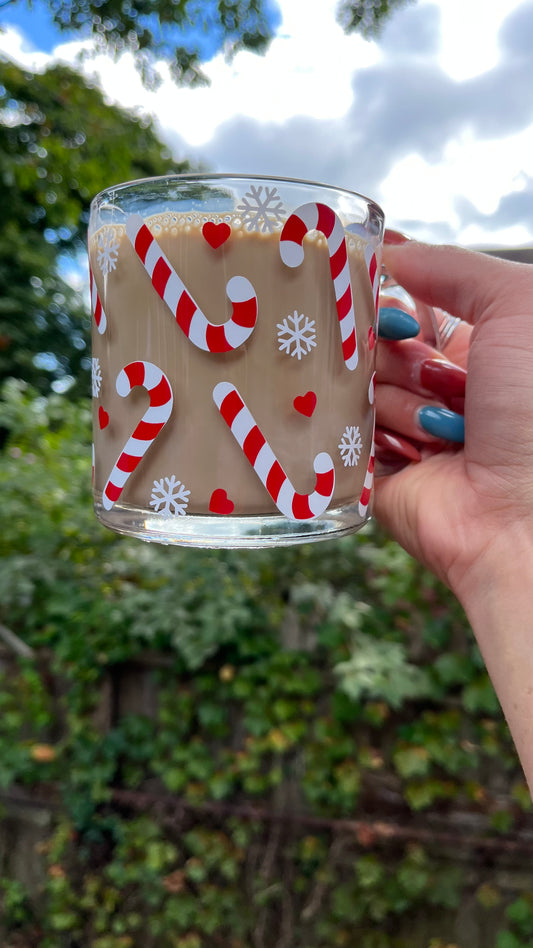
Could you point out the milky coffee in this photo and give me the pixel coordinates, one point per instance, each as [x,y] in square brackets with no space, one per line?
[290,372]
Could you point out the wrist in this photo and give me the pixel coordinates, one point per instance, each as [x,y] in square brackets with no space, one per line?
[499,581]
[497,596]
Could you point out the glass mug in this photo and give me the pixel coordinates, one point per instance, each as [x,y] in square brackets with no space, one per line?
[234,329]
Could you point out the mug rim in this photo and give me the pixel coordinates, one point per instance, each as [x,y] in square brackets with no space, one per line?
[226,176]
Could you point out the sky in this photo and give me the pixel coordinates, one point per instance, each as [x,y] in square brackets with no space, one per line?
[434,120]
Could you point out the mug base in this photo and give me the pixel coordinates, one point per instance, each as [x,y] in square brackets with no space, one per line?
[228,532]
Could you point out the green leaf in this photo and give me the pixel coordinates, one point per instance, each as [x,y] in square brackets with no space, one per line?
[412,761]
[479,696]
[370,872]
[506,939]
[63,921]
[378,668]
[520,912]
[422,794]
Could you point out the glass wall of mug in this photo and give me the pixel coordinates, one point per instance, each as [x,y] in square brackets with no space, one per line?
[234,328]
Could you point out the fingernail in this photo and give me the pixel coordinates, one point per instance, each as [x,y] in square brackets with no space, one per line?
[442,423]
[442,378]
[388,442]
[394,237]
[396,324]
[456,404]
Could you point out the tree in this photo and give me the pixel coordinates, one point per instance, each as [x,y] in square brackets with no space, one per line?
[60,144]
[184,33]
[366,16]
[175,31]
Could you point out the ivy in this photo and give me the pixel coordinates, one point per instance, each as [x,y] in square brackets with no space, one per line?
[379,669]
[295,746]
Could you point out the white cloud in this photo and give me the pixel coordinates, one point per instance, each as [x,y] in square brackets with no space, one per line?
[306,71]
[477,235]
[15,46]
[433,120]
[469,35]
[417,190]
[471,180]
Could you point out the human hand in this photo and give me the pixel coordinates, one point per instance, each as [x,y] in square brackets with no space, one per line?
[466,511]
[454,505]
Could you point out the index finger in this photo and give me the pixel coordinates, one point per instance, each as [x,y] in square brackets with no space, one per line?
[462,282]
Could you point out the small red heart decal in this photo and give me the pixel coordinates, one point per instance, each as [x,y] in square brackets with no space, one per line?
[220,502]
[305,404]
[216,234]
[103,418]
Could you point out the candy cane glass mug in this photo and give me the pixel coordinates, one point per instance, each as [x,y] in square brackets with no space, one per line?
[234,324]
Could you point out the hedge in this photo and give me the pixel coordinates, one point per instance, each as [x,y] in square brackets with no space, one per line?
[294,747]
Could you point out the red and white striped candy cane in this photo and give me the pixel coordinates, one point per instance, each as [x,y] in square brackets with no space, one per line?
[372,260]
[205,335]
[320,217]
[265,464]
[96,305]
[155,417]
[366,493]
[373,272]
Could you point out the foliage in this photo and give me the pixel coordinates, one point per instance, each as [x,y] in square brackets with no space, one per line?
[185,33]
[60,143]
[519,914]
[296,747]
[171,30]
[379,669]
[366,16]
[313,718]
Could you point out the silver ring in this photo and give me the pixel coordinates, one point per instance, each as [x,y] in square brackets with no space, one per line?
[447,328]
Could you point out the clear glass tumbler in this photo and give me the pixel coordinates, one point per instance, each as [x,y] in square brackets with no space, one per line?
[234,326]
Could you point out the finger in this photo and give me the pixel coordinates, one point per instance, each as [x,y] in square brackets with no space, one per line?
[455,345]
[413,365]
[397,302]
[462,282]
[390,445]
[424,315]
[417,418]
[396,323]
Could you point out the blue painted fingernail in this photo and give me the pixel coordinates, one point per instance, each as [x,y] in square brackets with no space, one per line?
[396,324]
[442,423]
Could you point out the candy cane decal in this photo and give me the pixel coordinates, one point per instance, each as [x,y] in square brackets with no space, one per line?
[373,272]
[366,493]
[372,258]
[320,217]
[265,464]
[96,305]
[155,417]
[205,335]
[364,500]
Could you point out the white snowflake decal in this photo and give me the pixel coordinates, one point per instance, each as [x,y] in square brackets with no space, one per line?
[96,377]
[107,250]
[351,446]
[262,212]
[170,497]
[296,335]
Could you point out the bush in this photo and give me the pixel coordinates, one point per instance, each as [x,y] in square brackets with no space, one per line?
[283,747]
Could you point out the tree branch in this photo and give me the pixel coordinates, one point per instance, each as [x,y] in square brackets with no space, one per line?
[13,642]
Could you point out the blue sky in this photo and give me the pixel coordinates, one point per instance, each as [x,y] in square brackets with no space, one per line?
[432,121]
[37,26]
[35,23]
